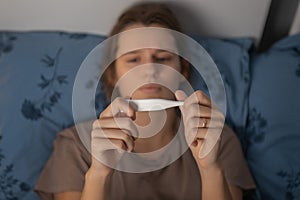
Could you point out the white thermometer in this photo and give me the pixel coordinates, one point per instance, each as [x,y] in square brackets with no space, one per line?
[154,104]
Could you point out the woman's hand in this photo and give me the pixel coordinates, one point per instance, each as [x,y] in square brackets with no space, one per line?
[200,114]
[112,134]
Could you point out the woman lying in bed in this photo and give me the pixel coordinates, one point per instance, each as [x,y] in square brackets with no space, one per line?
[73,172]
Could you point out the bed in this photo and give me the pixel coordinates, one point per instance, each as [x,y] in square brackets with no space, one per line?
[261,76]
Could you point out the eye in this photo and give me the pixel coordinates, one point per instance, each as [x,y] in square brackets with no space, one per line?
[163,58]
[132,60]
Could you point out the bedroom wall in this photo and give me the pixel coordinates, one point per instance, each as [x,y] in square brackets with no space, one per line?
[226,18]
[296,25]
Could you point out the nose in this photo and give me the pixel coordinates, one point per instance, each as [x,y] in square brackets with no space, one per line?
[150,69]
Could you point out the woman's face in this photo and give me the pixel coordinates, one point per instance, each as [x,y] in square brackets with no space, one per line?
[147,72]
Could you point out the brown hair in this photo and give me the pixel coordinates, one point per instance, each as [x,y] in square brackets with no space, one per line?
[145,13]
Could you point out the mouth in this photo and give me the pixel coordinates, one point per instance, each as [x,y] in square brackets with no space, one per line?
[150,88]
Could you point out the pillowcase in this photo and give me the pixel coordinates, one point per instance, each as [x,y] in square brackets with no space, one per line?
[37,72]
[232,59]
[273,130]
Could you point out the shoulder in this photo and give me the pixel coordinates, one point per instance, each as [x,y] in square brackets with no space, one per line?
[233,161]
[77,136]
[70,159]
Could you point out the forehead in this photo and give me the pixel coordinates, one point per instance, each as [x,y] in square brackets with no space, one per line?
[135,39]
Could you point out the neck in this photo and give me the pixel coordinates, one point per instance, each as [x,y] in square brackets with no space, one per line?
[156,129]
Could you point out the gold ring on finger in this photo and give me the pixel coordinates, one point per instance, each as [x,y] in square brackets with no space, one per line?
[204,123]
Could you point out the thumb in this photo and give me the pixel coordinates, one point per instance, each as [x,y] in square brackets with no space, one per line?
[180,95]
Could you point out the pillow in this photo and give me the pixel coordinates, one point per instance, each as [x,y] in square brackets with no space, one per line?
[37,72]
[273,130]
[232,59]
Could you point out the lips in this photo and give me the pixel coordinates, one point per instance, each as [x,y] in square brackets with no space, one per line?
[150,88]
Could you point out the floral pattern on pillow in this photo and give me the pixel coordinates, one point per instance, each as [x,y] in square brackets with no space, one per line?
[292,182]
[256,126]
[273,122]
[37,72]
[6,43]
[10,187]
[35,109]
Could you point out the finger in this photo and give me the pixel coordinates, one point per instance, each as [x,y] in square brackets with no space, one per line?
[213,124]
[204,122]
[180,95]
[115,134]
[196,144]
[119,105]
[204,143]
[123,123]
[196,122]
[96,124]
[119,144]
[201,134]
[200,98]
[196,110]
[199,127]
[100,145]
[195,134]
[193,110]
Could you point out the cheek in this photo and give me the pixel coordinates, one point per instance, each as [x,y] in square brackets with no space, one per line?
[120,71]
[127,81]
[176,65]
[171,78]
[173,71]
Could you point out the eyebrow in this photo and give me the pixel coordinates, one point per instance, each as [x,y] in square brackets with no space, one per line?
[136,51]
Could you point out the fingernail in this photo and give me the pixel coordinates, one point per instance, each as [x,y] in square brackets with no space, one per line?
[195,143]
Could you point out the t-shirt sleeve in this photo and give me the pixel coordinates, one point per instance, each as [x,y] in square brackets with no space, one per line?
[233,161]
[66,167]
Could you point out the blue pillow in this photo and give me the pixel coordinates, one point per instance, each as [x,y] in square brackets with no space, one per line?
[37,72]
[273,130]
[232,59]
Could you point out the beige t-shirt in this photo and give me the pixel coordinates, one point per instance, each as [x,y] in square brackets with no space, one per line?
[66,168]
